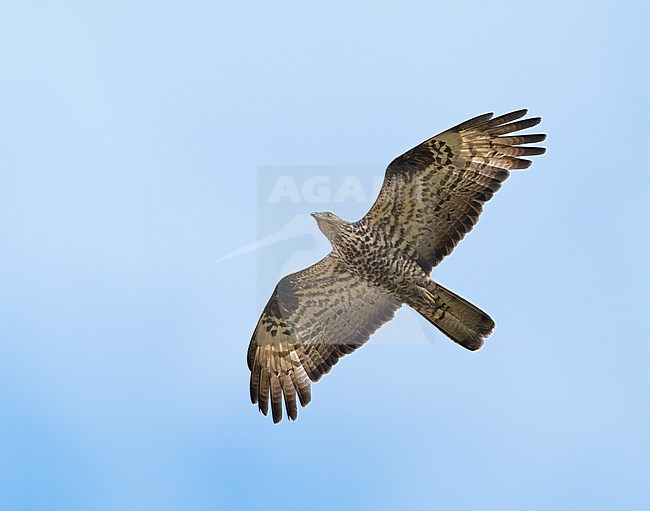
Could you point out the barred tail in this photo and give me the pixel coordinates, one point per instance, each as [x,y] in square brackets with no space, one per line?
[454,316]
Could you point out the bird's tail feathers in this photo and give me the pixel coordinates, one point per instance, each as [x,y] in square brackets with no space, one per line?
[454,316]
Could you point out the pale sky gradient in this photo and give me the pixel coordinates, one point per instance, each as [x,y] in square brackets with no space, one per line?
[131,137]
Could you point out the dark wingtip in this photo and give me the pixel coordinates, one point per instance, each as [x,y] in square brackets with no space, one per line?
[250,354]
[474,121]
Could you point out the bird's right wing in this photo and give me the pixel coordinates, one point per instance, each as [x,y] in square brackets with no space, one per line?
[314,317]
[433,194]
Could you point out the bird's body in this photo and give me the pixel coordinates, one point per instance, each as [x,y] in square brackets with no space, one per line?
[371,254]
[431,197]
[381,258]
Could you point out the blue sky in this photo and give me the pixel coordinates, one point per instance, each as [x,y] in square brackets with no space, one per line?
[132,138]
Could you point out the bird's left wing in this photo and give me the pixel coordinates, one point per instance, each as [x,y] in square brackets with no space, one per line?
[314,317]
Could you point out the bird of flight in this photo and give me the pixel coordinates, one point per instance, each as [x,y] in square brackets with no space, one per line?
[431,197]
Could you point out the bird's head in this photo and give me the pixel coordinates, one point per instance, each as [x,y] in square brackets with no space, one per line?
[329,224]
